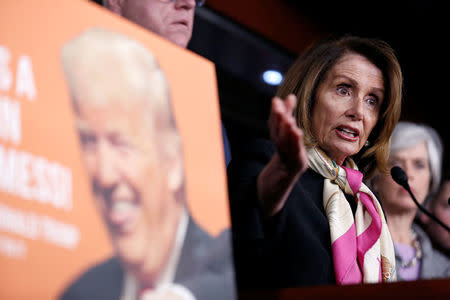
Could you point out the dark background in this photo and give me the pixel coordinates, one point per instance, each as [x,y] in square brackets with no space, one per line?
[245,37]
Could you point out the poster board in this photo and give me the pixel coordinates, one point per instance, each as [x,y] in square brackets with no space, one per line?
[50,229]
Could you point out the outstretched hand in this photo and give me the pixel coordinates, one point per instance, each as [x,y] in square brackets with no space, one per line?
[278,177]
[287,136]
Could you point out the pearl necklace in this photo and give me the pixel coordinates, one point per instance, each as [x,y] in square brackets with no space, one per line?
[417,257]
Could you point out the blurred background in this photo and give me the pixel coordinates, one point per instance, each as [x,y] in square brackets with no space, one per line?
[246,38]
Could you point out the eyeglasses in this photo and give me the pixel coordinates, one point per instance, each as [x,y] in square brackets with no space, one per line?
[198,3]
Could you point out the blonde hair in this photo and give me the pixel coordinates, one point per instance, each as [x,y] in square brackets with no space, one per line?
[310,69]
[104,68]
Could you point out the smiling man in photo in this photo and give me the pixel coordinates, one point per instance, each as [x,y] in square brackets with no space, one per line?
[134,159]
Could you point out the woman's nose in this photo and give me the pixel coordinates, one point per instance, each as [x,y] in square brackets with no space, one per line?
[355,111]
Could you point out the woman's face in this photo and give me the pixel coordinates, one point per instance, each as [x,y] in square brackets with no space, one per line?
[414,161]
[347,105]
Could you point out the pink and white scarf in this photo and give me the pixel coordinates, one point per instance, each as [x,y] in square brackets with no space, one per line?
[361,245]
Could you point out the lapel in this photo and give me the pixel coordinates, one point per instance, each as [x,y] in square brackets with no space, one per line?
[193,252]
[103,282]
[115,276]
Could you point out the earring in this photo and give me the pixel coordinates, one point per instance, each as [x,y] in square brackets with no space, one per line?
[367,143]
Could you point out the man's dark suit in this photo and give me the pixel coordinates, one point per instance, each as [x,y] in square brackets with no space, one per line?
[205,268]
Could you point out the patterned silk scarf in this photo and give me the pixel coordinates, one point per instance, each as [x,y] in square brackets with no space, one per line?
[361,245]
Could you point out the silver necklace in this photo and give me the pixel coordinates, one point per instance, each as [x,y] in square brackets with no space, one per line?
[418,256]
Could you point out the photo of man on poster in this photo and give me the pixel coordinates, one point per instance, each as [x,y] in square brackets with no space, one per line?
[134,159]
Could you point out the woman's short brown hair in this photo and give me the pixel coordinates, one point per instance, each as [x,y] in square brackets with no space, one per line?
[308,71]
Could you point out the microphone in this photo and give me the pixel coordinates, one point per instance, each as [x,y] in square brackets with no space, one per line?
[401,178]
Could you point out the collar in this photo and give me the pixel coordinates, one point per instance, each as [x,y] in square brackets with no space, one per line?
[130,286]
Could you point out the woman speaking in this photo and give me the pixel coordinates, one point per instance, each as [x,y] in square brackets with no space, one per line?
[300,212]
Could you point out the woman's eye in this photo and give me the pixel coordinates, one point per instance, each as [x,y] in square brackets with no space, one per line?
[343,90]
[420,164]
[372,101]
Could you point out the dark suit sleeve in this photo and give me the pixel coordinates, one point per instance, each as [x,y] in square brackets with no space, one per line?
[101,282]
[293,248]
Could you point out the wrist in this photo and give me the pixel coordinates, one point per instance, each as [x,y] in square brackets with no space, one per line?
[274,185]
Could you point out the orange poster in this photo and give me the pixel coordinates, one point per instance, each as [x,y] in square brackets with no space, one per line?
[110,158]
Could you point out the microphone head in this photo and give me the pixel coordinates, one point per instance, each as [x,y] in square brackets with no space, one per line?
[399,176]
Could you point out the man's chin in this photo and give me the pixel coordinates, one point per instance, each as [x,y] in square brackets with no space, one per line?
[129,253]
[139,263]
[180,38]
